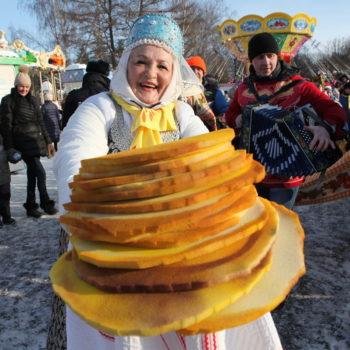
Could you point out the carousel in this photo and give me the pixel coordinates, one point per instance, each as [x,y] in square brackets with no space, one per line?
[46,67]
[290,32]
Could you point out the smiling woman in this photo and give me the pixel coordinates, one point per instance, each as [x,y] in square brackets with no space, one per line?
[25,134]
[150,69]
[23,89]
[142,109]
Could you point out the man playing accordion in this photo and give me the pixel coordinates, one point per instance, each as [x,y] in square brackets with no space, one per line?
[274,82]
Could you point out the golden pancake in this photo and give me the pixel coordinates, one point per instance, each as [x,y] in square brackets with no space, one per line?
[162,151]
[165,185]
[162,239]
[126,225]
[179,228]
[139,313]
[170,167]
[121,256]
[223,265]
[231,216]
[287,267]
[213,223]
[193,195]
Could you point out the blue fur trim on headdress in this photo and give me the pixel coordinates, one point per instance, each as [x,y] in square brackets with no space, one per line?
[158,28]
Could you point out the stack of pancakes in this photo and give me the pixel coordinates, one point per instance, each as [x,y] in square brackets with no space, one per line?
[174,237]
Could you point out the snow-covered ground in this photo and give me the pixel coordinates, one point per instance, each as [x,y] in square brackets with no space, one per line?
[314,317]
[27,251]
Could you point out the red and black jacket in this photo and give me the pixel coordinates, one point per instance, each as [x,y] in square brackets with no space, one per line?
[300,93]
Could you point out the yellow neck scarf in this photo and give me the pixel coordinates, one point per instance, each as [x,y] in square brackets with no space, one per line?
[148,122]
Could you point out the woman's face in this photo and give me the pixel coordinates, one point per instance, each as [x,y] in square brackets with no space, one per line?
[23,89]
[149,72]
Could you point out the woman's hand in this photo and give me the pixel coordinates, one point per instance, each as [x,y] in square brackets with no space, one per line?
[238,121]
[321,140]
[50,150]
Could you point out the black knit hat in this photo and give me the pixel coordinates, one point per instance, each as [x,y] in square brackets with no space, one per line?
[98,67]
[262,43]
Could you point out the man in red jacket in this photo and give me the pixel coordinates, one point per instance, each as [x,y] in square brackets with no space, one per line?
[273,81]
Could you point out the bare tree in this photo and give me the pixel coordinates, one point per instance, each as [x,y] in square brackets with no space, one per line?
[333,59]
[89,29]
[198,21]
[29,39]
[53,21]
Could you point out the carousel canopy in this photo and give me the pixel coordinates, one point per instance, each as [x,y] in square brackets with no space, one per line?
[18,53]
[290,32]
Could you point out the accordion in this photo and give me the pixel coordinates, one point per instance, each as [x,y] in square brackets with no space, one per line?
[276,137]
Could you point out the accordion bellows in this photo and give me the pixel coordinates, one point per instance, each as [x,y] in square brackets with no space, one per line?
[277,139]
[174,238]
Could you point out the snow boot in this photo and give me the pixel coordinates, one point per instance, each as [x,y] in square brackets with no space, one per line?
[9,221]
[5,212]
[32,210]
[49,207]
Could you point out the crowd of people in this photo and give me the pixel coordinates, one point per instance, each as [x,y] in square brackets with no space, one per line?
[105,117]
[29,131]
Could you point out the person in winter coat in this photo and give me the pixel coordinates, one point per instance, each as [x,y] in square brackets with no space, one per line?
[344,99]
[199,102]
[343,79]
[23,130]
[272,81]
[5,189]
[52,118]
[216,99]
[95,81]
